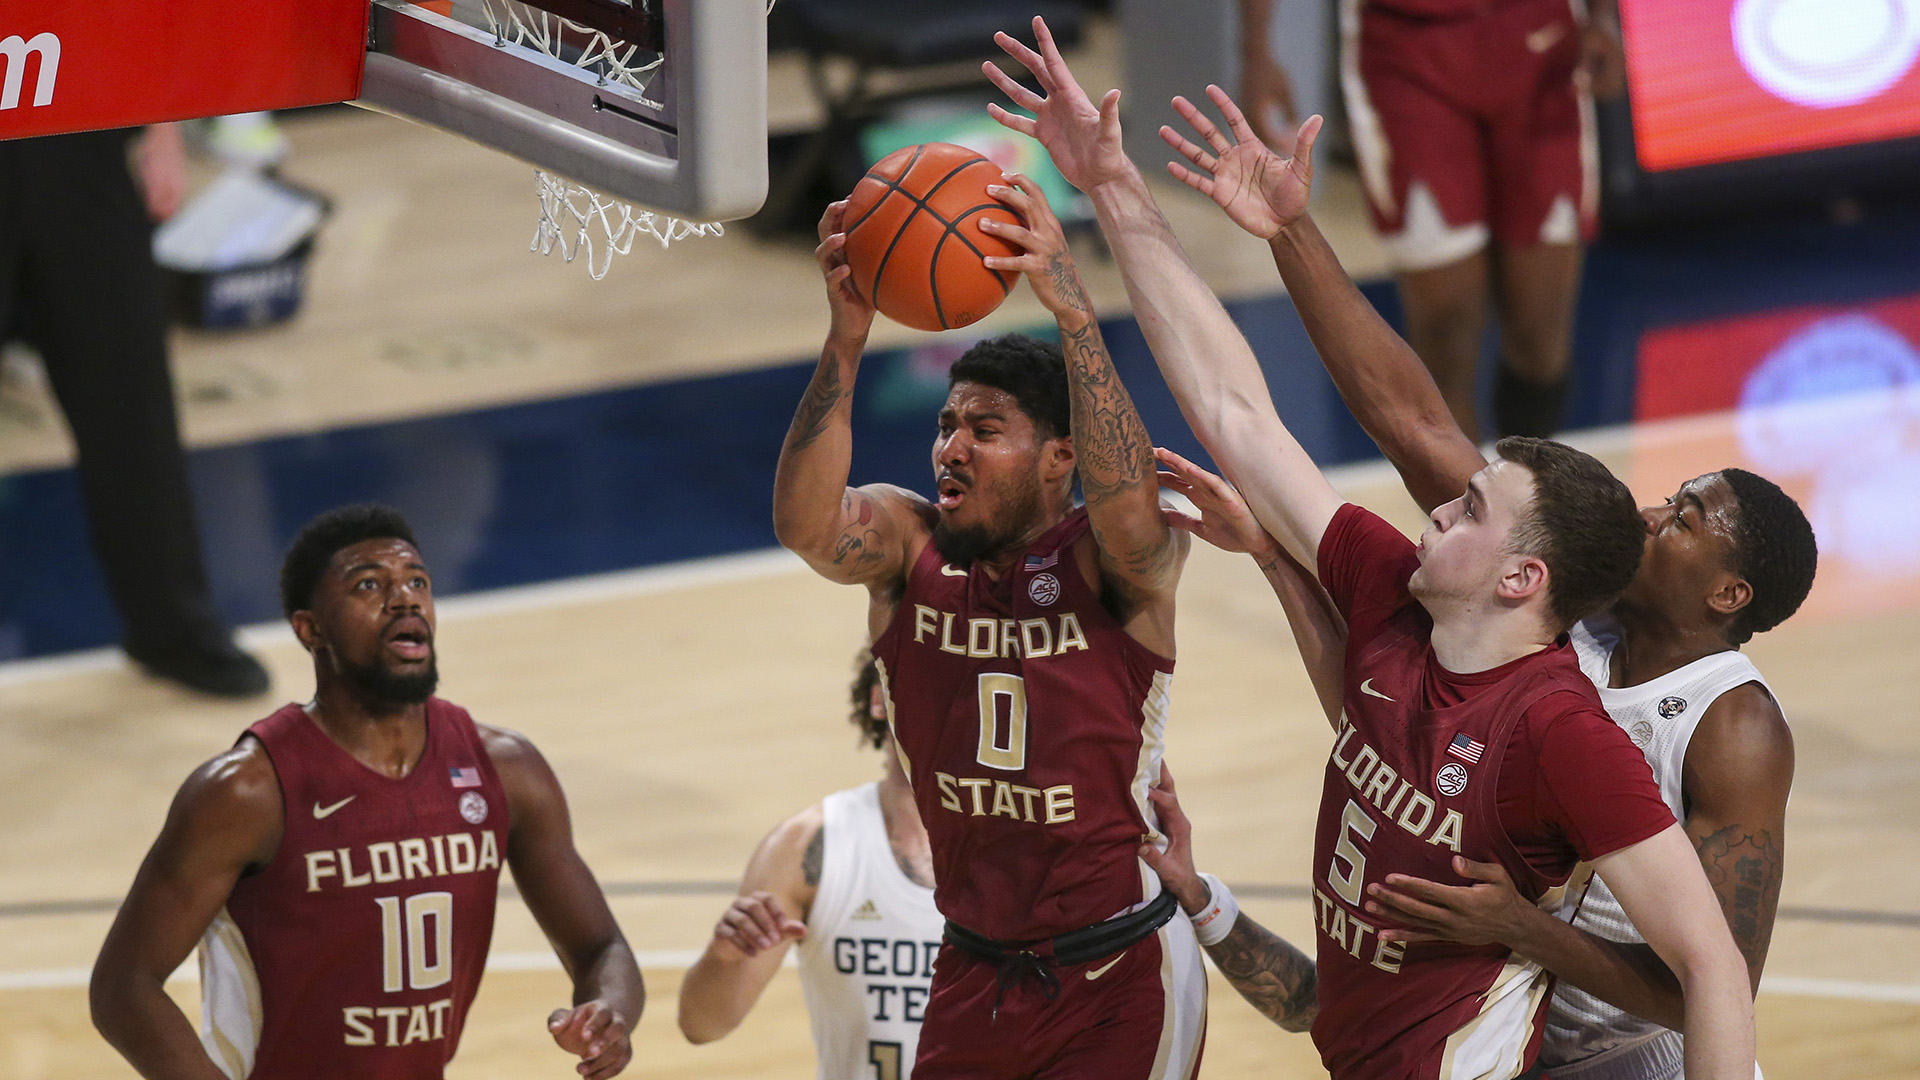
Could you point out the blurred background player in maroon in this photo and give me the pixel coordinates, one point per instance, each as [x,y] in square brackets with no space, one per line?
[1025,649]
[338,867]
[1472,121]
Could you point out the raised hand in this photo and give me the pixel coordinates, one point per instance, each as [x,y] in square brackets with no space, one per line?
[1260,190]
[756,922]
[1082,138]
[852,314]
[1224,521]
[1045,261]
[598,1035]
[1488,912]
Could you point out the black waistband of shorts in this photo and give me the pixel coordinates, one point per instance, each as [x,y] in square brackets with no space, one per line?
[1075,946]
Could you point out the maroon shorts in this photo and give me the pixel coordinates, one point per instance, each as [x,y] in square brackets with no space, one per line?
[1138,1015]
[1471,128]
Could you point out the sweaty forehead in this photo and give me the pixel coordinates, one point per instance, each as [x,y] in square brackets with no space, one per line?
[385,550]
[1504,484]
[969,400]
[1720,506]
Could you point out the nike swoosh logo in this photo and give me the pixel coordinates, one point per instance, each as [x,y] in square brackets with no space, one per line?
[323,811]
[1106,967]
[1544,38]
[952,571]
[1367,688]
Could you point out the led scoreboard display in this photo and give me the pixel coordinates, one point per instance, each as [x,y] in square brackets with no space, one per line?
[1718,81]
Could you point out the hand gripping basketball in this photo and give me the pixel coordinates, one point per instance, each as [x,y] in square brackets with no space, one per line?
[1043,257]
[913,237]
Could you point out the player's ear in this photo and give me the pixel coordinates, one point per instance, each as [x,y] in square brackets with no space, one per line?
[1731,593]
[1523,577]
[1057,458]
[306,628]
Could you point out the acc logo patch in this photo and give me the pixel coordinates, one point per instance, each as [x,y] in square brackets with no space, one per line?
[473,807]
[1044,588]
[1671,707]
[1451,779]
[1641,733]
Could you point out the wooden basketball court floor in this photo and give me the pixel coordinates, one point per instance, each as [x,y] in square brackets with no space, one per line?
[689,708]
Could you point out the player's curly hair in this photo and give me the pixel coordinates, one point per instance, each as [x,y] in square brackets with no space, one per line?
[872,731]
[1773,549]
[323,537]
[1033,371]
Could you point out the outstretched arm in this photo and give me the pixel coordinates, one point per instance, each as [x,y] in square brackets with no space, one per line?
[1139,552]
[1319,631]
[1201,353]
[1273,976]
[1378,374]
[226,817]
[849,535]
[567,902]
[752,937]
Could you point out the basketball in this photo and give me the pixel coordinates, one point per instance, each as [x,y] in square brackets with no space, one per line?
[914,241]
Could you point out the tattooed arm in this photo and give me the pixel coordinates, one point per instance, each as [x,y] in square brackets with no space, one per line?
[752,937]
[849,535]
[1275,978]
[1139,553]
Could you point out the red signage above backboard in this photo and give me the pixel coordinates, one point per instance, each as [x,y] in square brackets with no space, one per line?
[79,65]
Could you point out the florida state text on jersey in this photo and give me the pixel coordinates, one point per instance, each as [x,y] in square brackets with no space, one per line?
[1030,724]
[357,950]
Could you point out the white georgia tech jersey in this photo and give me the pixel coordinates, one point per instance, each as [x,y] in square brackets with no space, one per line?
[867,961]
[1660,717]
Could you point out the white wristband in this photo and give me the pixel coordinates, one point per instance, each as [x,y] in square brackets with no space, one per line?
[1213,923]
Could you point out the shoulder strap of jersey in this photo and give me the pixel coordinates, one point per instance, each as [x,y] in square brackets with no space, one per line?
[842,840]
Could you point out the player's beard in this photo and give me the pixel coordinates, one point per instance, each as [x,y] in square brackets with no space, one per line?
[379,683]
[960,545]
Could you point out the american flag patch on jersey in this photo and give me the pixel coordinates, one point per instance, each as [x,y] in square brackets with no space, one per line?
[1465,748]
[464,776]
[1037,562]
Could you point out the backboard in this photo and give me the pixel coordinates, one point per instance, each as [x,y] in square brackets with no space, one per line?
[661,102]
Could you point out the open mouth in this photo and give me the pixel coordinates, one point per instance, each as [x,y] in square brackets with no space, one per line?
[950,491]
[410,639]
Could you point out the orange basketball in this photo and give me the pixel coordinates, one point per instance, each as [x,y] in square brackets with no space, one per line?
[914,240]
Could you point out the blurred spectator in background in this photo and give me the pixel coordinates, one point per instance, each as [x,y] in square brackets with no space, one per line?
[79,284]
[1472,121]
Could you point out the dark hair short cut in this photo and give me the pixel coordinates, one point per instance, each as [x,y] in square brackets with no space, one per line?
[1033,371]
[1582,523]
[324,537]
[1773,549]
[872,731]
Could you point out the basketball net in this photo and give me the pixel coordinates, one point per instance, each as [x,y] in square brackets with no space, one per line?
[576,219]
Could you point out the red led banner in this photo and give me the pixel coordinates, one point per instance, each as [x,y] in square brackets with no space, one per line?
[78,65]
[1731,80]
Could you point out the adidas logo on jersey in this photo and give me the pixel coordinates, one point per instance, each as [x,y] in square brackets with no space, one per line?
[866,911]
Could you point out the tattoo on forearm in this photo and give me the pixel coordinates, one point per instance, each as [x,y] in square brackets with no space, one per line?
[824,394]
[1744,868]
[1274,977]
[1066,282]
[1115,453]
[815,855]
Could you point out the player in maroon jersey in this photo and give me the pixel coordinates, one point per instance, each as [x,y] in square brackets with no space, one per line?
[1473,124]
[1026,651]
[1455,654]
[338,866]
[1729,555]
